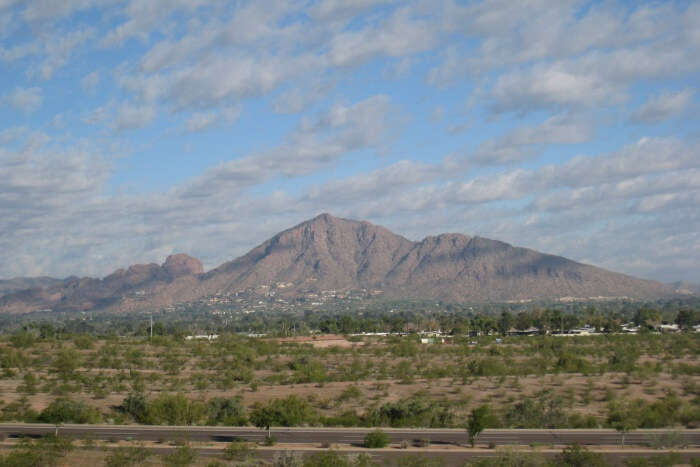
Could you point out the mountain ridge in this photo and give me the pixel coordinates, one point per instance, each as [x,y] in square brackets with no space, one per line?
[330,253]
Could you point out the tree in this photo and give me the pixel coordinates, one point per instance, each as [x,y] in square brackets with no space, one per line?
[505,322]
[290,411]
[624,419]
[686,318]
[264,417]
[477,422]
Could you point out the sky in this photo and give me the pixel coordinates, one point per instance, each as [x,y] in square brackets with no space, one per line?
[131,130]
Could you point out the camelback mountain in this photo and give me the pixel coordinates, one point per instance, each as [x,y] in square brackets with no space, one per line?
[329,253]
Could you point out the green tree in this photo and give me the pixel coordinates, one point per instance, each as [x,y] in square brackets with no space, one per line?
[264,417]
[477,422]
[136,405]
[66,362]
[290,411]
[624,418]
[686,318]
[505,322]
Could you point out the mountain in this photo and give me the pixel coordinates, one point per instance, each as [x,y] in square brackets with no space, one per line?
[21,283]
[79,294]
[329,253]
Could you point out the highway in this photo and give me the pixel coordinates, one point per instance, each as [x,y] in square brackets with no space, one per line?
[353,436]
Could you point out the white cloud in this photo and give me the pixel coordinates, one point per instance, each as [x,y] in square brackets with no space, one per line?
[663,106]
[26,100]
[316,144]
[131,116]
[142,16]
[552,86]
[400,35]
[522,142]
[201,121]
[90,81]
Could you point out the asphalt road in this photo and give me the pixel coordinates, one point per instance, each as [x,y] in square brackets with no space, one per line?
[346,435]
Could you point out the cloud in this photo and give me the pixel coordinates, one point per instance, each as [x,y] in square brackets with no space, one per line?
[142,16]
[571,67]
[26,100]
[90,81]
[522,142]
[553,87]
[201,121]
[663,106]
[400,35]
[341,10]
[132,116]
[315,144]
[514,33]
[58,51]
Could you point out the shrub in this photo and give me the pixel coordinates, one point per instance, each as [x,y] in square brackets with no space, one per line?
[180,457]
[84,342]
[376,439]
[225,411]
[290,411]
[43,452]
[334,459]
[127,456]
[662,460]
[413,411]
[68,411]
[577,456]
[238,450]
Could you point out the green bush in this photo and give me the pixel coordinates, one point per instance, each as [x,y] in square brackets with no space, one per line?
[411,412]
[376,439]
[69,411]
[180,457]
[334,459]
[127,456]
[227,411]
[577,456]
[662,460]
[45,451]
[290,411]
[238,450]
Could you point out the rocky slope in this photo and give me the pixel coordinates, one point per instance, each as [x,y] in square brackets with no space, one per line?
[22,283]
[328,253]
[331,253]
[140,282]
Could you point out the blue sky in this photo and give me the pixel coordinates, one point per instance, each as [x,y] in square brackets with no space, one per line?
[130,130]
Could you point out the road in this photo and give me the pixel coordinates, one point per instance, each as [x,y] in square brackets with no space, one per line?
[345,435]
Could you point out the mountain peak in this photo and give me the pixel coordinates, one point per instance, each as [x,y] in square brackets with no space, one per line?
[328,253]
[181,264]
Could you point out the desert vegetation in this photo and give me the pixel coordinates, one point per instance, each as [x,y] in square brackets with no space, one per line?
[647,380]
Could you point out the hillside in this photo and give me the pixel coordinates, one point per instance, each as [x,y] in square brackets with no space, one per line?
[329,253]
